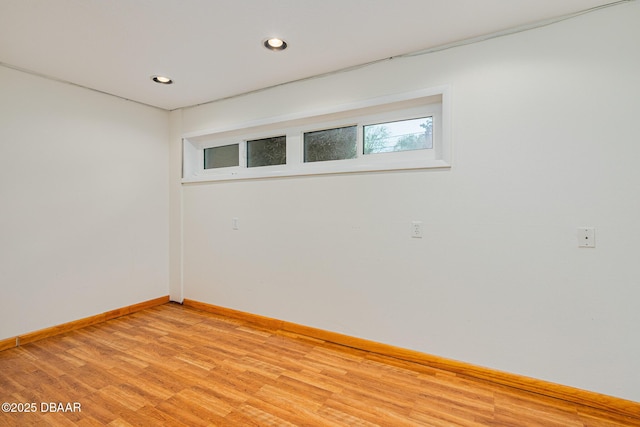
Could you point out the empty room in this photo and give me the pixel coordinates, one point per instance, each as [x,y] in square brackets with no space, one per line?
[319,213]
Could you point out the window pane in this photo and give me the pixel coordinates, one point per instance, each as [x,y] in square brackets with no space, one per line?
[221,157]
[267,151]
[330,144]
[404,135]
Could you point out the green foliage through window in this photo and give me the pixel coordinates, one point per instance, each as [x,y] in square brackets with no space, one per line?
[403,135]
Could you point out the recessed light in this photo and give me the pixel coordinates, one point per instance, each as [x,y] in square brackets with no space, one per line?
[275,44]
[162,80]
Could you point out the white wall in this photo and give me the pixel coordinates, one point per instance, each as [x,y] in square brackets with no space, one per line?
[545,141]
[84,203]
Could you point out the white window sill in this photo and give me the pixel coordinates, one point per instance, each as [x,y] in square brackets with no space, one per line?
[319,168]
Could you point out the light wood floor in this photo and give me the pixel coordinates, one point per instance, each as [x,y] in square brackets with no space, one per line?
[175,366]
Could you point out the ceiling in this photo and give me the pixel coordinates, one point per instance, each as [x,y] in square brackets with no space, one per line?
[213,48]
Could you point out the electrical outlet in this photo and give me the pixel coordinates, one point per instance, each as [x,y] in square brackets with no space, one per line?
[235,224]
[416,229]
[586,237]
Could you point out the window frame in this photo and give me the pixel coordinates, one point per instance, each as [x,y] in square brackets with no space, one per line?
[433,102]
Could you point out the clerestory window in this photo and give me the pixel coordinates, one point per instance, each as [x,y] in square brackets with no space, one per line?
[408,131]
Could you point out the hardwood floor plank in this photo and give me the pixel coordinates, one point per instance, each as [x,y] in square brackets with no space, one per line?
[283,405]
[368,411]
[438,418]
[174,366]
[198,397]
[302,388]
[344,419]
[93,407]
[156,417]
[262,418]
[89,422]
[512,408]
[590,418]
[175,407]
[313,380]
